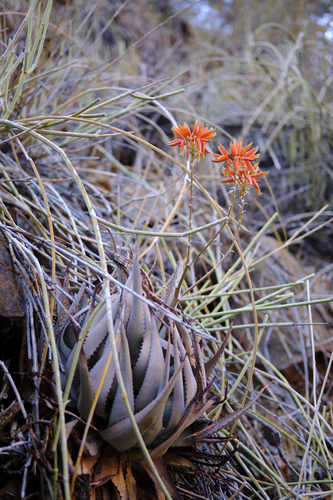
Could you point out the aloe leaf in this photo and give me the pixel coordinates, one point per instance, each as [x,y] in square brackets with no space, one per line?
[200,371]
[186,339]
[85,394]
[170,292]
[177,403]
[96,373]
[150,421]
[190,383]
[66,338]
[153,377]
[169,299]
[75,388]
[98,330]
[166,364]
[96,336]
[228,419]
[212,362]
[75,306]
[64,353]
[119,408]
[139,316]
[172,287]
[141,364]
[192,413]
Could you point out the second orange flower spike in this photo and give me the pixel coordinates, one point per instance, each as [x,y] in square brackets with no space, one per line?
[239,168]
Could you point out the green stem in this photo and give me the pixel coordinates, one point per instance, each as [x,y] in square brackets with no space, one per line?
[189,169]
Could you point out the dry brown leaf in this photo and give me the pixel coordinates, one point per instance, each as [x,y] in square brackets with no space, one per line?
[130,483]
[173,458]
[87,464]
[11,298]
[118,471]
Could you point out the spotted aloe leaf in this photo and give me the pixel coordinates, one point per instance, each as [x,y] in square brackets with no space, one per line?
[119,409]
[85,397]
[153,376]
[98,331]
[190,382]
[96,373]
[177,400]
[139,314]
[150,421]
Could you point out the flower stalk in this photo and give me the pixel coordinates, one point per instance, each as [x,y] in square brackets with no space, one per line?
[192,144]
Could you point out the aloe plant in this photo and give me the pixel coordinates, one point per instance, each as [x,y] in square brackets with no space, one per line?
[163,371]
[162,377]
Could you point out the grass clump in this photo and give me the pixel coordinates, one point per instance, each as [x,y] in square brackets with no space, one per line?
[92,197]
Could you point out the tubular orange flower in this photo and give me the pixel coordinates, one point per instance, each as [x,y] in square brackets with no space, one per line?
[239,168]
[192,142]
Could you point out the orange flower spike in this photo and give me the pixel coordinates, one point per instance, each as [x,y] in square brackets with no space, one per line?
[194,142]
[239,168]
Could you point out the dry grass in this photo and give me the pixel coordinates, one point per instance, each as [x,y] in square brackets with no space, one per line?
[87,179]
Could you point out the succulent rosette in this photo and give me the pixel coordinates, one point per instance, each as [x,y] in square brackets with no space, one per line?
[164,375]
